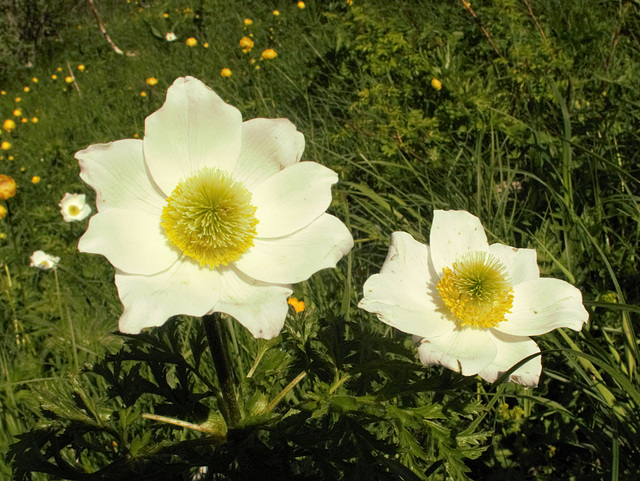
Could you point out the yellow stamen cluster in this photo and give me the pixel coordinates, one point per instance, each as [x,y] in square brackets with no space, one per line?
[476,290]
[210,218]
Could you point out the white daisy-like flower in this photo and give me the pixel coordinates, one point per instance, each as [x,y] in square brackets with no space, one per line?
[210,214]
[74,207]
[473,305]
[44,261]
[170,37]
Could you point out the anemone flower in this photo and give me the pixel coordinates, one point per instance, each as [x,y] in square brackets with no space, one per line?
[74,207]
[472,305]
[210,214]
[44,261]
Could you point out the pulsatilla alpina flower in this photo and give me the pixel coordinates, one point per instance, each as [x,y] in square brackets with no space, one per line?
[74,207]
[44,261]
[207,213]
[473,305]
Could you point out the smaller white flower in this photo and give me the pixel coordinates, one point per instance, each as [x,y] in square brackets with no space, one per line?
[44,261]
[170,36]
[74,207]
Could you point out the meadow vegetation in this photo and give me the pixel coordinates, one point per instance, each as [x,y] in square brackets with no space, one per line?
[531,124]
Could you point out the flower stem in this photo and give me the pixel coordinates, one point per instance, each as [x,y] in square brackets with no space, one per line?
[231,410]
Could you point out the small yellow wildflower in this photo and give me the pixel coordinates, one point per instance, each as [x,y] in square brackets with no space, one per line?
[35,179]
[17,112]
[18,99]
[301,5]
[276,13]
[166,15]
[9,125]
[10,157]
[5,145]
[54,76]
[59,69]
[23,120]
[225,72]
[68,79]
[7,186]
[436,84]
[247,22]
[252,61]
[3,212]
[246,44]
[34,80]
[2,234]
[297,305]
[81,68]
[34,120]
[349,2]
[152,81]
[143,94]
[2,92]
[269,54]
[26,89]
[191,42]
[205,45]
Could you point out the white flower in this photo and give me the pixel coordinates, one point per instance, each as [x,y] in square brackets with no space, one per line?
[210,214]
[170,37]
[44,261]
[74,207]
[473,304]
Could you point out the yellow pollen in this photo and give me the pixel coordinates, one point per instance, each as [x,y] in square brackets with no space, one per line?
[210,218]
[476,290]
[74,210]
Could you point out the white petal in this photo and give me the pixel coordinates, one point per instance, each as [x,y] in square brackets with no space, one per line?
[521,264]
[409,258]
[511,350]
[453,234]
[542,305]
[132,240]
[119,176]
[194,128]
[406,305]
[258,306]
[184,288]
[293,198]
[268,146]
[466,350]
[296,257]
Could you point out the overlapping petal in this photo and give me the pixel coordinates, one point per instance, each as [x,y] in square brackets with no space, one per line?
[466,350]
[293,258]
[258,306]
[542,305]
[184,288]
[194,128]
[521,264]
[453,234]
[510,351]
[293,198]
[118,174]
[268,146]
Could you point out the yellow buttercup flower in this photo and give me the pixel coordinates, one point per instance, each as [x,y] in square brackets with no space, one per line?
[34,120]
[276,13]
[17,112]
[3,212]
[436,84]
[54,76]
[191,42]
[18,99]
[248,21]
[7,186]
[81,68]
[23,120]
[9,125]
[246,44]
[59,69]
[297,305]
[5,145]
[143,94]
[205,45]
[269,54]
[26,89]
[34,80]
[301,5]
[35,179]
[152,81]
[68,79]
[225,72]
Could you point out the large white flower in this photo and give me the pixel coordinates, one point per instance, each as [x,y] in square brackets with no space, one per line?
[473,305]
[210,214]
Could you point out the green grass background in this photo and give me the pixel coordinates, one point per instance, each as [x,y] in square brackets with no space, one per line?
[535,131]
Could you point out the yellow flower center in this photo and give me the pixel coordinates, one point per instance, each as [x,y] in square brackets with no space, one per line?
[476,290]
[209,217]
[74,210]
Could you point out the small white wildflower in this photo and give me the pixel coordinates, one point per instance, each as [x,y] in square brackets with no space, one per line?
[74,207]
[44,261]
[170,37]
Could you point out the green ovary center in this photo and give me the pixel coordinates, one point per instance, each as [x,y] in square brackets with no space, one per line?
[476,290]
[210,218]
